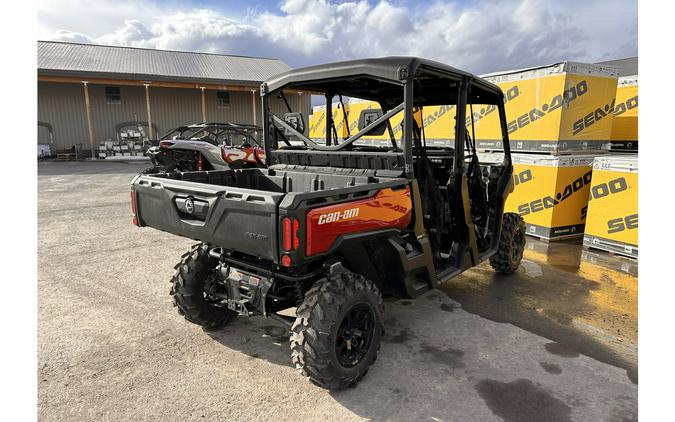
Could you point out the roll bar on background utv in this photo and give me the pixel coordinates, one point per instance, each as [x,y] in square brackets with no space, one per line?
[397,84]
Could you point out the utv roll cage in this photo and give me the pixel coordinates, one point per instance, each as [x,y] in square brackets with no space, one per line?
[212,131]
[396,84]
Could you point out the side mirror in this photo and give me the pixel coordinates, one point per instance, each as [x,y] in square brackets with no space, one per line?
[369,116]
[296,121]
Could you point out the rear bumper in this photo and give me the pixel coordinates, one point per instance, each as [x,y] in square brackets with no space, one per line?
[233,218]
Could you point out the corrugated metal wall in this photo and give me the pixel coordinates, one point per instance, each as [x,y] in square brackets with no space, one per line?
[63,106]
[173,107]
[105,117]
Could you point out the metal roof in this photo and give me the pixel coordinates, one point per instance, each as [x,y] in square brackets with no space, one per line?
[628,66]
[80,60]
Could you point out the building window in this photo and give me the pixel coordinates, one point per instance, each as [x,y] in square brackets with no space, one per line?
[113,95]
[222,99]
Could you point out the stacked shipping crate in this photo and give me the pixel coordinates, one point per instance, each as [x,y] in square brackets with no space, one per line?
[559,119]
[625,127]
[562,119]
[612,220]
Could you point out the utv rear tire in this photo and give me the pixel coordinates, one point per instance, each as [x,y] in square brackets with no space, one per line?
[187,289]
[511,245]
[341,306]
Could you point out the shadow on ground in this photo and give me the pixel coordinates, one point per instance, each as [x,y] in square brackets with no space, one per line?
[547,299]
[437,361]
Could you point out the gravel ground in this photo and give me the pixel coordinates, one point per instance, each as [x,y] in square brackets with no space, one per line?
[111,346]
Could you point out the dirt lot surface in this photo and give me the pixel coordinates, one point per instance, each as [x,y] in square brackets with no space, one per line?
[555,342]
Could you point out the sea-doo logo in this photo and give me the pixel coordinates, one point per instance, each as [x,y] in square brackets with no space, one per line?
[522,177]
[567,97]
[592,118]
[603,189]
[550,202]
[629,104]
[509,95]
[620,224]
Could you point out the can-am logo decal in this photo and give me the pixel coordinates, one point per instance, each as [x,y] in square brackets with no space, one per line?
[567,97]
[549,201]
[593,117]
[338,215]
[629,104]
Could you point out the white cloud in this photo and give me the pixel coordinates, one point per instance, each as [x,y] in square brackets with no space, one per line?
[480,37]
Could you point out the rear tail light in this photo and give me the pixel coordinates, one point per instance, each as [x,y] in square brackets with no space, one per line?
[289,233]
[296,239]
[200,161]
[286,261]
[133,208]
[165,144]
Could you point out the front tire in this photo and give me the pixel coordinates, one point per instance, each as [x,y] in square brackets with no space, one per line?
[337,331]
[188,287]
[511,245]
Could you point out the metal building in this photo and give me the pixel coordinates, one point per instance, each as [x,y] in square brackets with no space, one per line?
[86,91]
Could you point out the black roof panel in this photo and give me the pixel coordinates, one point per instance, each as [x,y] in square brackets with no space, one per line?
[384,68]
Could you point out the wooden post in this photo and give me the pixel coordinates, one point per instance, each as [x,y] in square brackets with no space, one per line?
[89,123]
[255,118]
[147,106]
[203,104]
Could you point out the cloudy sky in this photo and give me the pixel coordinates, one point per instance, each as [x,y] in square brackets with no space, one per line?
[479,36]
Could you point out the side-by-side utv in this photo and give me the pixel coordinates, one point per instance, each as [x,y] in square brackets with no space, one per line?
[334,224]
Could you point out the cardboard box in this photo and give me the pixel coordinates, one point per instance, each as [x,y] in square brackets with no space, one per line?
[550,192]
[116,148]
[317,122]
[612,221]
[563,107]
[625,127]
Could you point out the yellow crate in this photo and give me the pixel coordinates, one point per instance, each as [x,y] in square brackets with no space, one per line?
[550,192]
[317,122]
[563,107]
[612,221]
[625,127]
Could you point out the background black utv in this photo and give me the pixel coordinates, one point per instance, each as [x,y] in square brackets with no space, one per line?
[259,256]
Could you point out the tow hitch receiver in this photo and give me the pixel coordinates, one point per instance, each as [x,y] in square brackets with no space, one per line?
[246,292]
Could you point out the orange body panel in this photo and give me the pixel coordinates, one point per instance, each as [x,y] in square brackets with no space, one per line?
[387,209]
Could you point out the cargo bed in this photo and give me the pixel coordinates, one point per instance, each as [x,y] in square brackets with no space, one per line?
[240,209]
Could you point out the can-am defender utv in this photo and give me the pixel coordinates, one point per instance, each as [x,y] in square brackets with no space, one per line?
[331,226]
